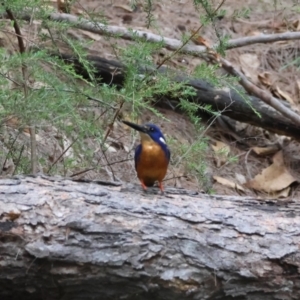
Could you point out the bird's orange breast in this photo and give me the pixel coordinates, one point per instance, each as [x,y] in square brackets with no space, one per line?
[152,164]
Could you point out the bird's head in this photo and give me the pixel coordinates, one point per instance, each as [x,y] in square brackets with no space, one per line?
[149,132]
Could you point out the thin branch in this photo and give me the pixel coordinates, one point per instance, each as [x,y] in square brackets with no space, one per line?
[112,123]
[29,41]
[174,177]
[18,160]
[17,30]
[123,32]
[174,44]
[61,155]
[179,49]
[33,152]
[82,172]
[77,92]
[109,165]
[263,95]
[199,138]
[22,50]
[107,134]
[10,79]
[188,40]
[91,169]
[171,44]
[263,38]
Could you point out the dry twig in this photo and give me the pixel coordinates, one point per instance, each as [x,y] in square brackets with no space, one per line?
[263,95]
[171,44]
[25,76]
[263,38]
[174,44]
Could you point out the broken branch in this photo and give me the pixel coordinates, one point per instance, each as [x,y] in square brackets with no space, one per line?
[263,95]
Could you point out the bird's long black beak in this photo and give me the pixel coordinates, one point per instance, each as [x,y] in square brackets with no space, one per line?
[137,127]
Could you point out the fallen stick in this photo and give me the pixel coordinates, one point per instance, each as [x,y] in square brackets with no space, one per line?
[169,43]
[174,44]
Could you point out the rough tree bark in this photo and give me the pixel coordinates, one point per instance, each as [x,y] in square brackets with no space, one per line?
[226,101]
[62,239]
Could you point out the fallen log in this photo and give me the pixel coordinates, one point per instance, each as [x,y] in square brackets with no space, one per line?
[62,239]
[226,101]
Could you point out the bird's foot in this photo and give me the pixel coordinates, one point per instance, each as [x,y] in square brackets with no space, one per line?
[161,188]
[144,186]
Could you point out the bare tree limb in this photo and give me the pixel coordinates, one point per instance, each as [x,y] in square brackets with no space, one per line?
[123,32]
[174,44]
[263,95]
[17,30]
[171,44]
[219,99]
[22,50]
[263,38]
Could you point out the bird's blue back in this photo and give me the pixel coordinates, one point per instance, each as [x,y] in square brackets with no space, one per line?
[157,136]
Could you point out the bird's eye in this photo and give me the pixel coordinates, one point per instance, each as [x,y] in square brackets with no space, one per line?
[151,129]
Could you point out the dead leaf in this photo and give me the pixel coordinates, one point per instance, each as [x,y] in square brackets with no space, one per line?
[221,147]
[281,194]
[109,148]
[63,6]
[296,25]
[93,36]
[12,121]
[125,7]
[199,40]
[228,183]
[214,55]
[285,96]
[240,178]
[221,153]
[39,85]
[298,88]
[249,65]
[264,151]
[274,178]
[239,126]
[38,138]
[255,33]
[265,78]
[12,216]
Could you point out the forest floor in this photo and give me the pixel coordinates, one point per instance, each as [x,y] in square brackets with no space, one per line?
[246,149]
[269,62]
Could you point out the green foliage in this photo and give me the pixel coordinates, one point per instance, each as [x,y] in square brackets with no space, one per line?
[148,10]
[241,13]
[295,62]
[192,157]
[41,90]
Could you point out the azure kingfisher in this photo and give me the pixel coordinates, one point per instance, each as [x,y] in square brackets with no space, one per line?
[152,156]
